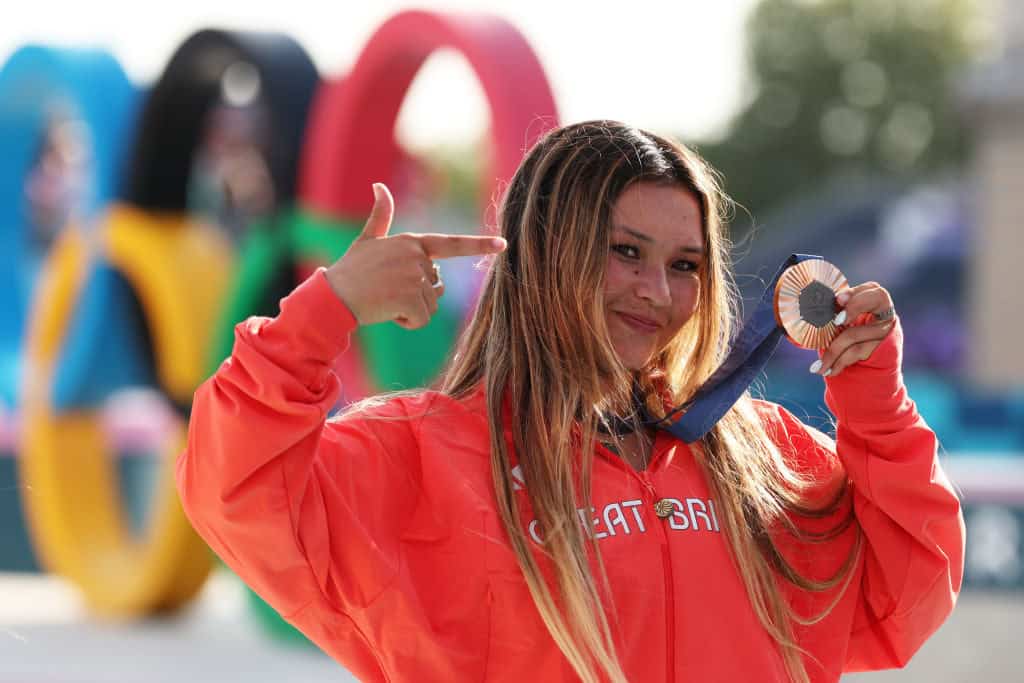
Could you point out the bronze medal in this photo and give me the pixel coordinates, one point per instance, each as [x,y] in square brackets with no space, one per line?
[805,302]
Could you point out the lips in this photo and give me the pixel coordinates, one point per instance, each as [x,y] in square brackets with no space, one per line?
[639,323]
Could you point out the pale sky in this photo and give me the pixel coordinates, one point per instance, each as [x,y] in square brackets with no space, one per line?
[675,67]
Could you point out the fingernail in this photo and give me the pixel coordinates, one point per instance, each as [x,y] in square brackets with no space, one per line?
[815,366]
[842,297]
[840,318]
[376,190]
[499,243]
[827,373]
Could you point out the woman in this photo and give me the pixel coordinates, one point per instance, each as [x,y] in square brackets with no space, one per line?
[520,521]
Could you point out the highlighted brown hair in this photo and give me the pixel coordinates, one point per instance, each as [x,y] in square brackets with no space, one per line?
[539,345]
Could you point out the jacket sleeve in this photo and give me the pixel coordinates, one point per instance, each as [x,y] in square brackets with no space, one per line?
[906,507]
[307,511]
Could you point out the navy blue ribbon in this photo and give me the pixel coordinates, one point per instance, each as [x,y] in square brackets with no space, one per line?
[752,348]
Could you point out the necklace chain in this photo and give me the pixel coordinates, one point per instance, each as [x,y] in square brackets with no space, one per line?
[643,441]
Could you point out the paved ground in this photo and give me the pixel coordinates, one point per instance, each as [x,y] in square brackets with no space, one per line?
[46,638]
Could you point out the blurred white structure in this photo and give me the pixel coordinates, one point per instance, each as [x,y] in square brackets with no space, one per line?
[994,96]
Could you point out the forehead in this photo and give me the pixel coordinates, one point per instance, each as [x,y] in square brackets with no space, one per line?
[667,213]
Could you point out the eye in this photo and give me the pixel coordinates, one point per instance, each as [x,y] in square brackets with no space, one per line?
[685,266]
[626,250]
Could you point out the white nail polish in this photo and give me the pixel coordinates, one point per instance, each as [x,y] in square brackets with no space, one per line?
[827,373]
[815,366]
[840,318]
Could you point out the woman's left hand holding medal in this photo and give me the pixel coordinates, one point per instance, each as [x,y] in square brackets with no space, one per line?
[865,317]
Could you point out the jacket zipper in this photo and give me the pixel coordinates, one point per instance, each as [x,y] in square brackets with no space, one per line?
[666,561]
[666,558]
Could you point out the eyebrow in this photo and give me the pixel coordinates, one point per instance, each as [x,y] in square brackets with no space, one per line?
[647,238]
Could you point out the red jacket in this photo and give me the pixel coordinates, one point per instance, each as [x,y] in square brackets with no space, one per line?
[379,538]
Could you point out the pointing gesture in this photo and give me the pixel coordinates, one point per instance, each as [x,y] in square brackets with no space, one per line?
[384,277]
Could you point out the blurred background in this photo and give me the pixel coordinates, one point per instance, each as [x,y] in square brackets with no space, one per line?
[168,170]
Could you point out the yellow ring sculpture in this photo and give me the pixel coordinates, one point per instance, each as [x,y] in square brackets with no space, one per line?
[179,270]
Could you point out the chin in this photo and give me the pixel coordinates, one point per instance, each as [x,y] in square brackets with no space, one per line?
[634,359]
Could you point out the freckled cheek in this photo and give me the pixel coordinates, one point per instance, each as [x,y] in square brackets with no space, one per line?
[686,300]
[616,277]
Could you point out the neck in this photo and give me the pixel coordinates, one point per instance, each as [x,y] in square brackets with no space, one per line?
[625,416]
[634,449]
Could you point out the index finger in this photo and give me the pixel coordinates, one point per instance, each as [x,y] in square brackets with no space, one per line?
[447,246]
[866,298]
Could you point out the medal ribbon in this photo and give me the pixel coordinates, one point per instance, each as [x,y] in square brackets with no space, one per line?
[751,350]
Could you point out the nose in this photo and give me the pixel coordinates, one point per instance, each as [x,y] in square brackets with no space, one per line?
[651,284]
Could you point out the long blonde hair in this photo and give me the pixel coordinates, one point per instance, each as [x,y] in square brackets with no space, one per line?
[539,346]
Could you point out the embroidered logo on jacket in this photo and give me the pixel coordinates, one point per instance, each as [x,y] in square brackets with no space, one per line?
[689,514]
[624,517]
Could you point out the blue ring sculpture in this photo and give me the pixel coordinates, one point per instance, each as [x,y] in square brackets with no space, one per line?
[36,84]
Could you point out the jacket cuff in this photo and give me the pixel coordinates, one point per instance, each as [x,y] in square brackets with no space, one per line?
[872,391]
[318,317]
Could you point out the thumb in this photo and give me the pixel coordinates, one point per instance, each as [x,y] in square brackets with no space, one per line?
[379,222]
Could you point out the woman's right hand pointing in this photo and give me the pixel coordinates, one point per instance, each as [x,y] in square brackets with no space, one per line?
[384,277]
